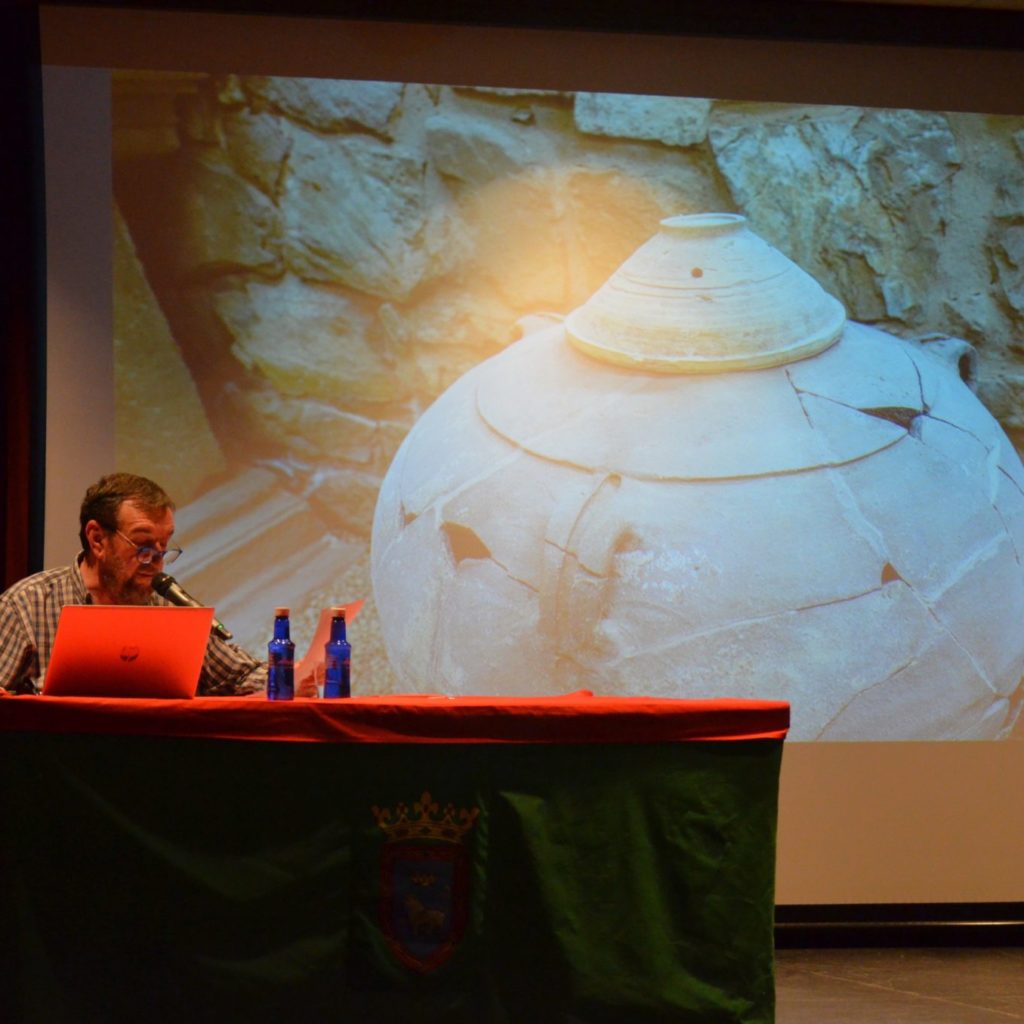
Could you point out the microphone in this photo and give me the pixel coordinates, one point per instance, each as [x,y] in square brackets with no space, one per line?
[169,587]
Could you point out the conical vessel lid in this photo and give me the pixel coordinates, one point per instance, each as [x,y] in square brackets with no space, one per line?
[706,295]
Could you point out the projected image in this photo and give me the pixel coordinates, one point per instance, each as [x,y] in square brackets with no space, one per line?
[578,390]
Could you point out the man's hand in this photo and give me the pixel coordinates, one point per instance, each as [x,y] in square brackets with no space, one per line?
[25,676]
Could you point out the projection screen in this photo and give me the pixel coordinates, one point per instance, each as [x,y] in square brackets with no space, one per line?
[336,310]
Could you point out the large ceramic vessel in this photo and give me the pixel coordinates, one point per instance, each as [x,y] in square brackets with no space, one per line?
[707,482]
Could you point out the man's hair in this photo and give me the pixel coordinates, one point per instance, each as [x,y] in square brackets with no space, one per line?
[104,499]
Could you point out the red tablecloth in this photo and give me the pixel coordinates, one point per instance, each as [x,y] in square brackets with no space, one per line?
[572,718]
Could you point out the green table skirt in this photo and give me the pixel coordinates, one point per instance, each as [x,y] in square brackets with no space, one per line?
[176,879]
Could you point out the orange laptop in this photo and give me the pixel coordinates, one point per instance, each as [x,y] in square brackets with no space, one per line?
[117,650]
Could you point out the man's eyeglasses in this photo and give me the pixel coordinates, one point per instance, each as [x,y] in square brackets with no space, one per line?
[147,554]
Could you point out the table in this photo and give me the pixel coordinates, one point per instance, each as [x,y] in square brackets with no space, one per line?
[421,858]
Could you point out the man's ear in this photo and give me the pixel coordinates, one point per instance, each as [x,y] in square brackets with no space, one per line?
[94,535]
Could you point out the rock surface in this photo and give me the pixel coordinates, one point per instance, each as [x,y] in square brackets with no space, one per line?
[157,410]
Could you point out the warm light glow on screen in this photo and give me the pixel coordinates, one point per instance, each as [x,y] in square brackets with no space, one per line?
[304,267]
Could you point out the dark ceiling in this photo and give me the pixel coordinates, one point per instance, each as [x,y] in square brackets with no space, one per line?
[989,23]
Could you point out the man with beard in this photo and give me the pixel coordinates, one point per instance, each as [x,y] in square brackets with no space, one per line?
[126,524]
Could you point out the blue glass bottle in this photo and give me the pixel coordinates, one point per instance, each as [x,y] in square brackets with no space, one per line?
[281,659]
[337,658]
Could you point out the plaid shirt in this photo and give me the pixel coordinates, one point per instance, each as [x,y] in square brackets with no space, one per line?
[28,623]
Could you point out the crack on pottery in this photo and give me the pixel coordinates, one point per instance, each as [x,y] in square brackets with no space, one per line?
[1016,486]
[853,698]
[799,397]
[1009,535]
[464,543]
[890,574]
[903,416]
[981,673]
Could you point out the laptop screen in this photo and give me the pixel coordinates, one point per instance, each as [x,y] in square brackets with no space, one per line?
[128,651]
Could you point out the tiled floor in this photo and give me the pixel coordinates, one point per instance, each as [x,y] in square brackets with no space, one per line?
[899,986]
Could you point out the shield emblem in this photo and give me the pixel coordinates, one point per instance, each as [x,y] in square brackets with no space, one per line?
[424,897]
[424,881]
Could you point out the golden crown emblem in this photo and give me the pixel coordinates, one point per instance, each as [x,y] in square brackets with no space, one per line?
[427,821]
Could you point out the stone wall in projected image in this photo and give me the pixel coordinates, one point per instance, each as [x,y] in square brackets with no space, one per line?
[330,256]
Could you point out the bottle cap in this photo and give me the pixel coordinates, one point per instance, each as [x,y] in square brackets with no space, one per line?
[338,611]
[278,612]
